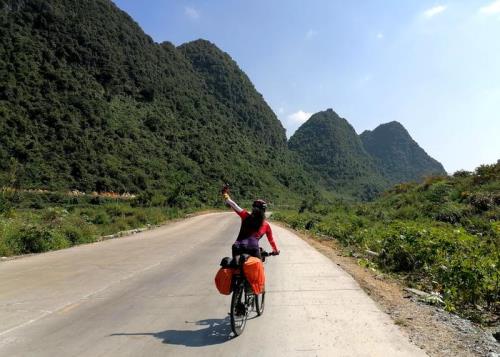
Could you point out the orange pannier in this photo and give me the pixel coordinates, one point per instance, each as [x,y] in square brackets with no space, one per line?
[254,272]
[223,280]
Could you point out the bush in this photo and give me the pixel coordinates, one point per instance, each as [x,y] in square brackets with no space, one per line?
[438,192]
[79,234]
[462,173]
[4,204]
[482,201]
[36,239]
[451,212]
[54,215]
[101,217]
[407,212]
[119,210]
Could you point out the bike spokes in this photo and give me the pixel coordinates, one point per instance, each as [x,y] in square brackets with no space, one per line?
[239,310]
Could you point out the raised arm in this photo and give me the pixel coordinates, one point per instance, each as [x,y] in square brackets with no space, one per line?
[239,211]
[232,204]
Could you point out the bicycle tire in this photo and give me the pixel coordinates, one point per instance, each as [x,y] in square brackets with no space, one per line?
[260,303]
[239,311]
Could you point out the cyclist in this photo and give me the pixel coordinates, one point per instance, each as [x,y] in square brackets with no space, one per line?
[253,227]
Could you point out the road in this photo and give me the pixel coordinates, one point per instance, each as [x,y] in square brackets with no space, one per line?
[152,294]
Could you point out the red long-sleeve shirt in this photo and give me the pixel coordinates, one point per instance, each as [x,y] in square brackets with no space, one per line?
[265,228]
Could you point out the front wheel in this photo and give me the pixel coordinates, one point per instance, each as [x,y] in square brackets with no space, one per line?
[259,303]
[239,311]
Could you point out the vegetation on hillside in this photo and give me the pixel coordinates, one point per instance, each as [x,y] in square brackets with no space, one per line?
[330,147]
[90,102]
[360,166]
[442,236]
[398,157]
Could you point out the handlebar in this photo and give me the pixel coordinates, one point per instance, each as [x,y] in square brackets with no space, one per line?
[267,254]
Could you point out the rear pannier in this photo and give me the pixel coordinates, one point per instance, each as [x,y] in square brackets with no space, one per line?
[254,272]
[223,280]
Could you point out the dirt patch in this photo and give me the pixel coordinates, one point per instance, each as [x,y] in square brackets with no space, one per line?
[436,331]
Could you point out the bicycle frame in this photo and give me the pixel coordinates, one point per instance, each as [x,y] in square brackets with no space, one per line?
[244,300]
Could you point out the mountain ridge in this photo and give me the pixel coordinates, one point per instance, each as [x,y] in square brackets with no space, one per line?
[398,155]
[88,101]
[330,146]
[363,164]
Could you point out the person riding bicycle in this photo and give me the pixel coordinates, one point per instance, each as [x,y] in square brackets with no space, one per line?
[253,227]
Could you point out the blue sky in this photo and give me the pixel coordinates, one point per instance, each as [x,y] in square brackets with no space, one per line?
[433,66]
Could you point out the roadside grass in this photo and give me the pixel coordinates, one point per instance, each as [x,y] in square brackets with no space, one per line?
[34,223]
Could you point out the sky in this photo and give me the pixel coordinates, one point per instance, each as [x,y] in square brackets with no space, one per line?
[432,66]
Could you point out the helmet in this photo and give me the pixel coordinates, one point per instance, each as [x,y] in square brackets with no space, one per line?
[261,204]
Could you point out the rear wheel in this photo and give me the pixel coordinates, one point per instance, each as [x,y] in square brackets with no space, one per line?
[259,303]
[239,311]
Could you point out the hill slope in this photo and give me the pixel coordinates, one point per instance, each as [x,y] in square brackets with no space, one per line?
[397,155]
[88,101]
[330,146]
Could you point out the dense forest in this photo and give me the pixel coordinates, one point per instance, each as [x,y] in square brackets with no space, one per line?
[90,102]
[361,166]
[398,157]
[329,145]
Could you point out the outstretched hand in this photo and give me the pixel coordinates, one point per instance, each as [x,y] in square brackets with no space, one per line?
[225,191]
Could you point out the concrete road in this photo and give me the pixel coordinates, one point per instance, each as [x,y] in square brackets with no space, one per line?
[152,294]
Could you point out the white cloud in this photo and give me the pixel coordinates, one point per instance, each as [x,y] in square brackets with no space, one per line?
[491,9]
[311,33]
[299,117]
[433,11]
[380,35]
[191,12]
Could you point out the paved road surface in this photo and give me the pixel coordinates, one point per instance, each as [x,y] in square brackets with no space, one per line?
[152,294]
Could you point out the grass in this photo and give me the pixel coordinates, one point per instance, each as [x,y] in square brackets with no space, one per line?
[34,223]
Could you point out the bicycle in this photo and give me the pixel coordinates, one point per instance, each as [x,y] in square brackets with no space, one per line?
[244,300]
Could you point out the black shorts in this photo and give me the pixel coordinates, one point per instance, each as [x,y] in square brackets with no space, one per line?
[238,250]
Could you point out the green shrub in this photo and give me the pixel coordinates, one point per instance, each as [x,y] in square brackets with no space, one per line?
[101,217]
[478,226]
[451,212]
[462,173]
[54,215]
[7,229]
[79,234]
[5,205]
[438,192]
[482,201]
[407,212]
[36,239]
[119,210]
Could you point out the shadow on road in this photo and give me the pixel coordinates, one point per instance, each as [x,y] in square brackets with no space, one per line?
[217,331]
